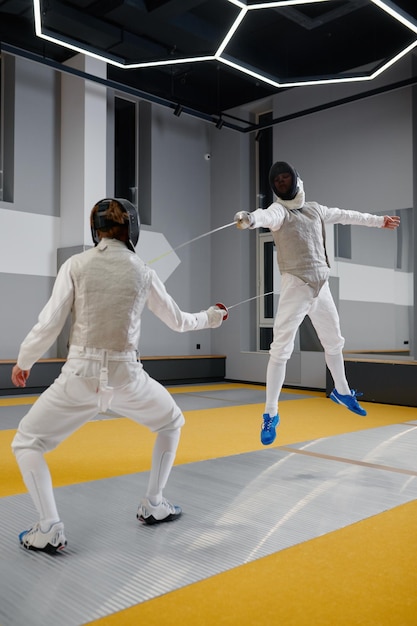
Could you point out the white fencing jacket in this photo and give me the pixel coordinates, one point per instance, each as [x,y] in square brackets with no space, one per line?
[299,236]
[105,289]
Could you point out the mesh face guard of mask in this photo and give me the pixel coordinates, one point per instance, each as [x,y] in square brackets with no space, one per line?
[281,167]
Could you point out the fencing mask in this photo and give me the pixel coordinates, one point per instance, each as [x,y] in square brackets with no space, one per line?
[100,220]
[281,167]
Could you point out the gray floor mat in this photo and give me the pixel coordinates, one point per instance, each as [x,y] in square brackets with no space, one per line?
[269,500]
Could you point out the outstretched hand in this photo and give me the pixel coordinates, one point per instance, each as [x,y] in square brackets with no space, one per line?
[19,376]
[243,219]
[216,315]
[391,221]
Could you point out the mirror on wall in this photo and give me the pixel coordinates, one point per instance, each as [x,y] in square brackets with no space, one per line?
[374,271]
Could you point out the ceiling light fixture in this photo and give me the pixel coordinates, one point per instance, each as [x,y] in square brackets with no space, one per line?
[384,5]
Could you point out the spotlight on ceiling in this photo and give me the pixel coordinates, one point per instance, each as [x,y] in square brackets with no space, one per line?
[219,123]
[178,110]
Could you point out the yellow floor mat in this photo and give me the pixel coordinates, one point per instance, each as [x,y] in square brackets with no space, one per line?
[113,447]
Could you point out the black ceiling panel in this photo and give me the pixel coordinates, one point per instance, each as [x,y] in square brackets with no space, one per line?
[286,44]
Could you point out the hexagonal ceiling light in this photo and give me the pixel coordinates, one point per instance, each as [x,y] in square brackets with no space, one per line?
[244,13]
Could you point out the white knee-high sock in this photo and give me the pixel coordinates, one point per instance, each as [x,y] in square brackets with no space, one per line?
[163,457]
[336,366]
[275,376]
[37,478]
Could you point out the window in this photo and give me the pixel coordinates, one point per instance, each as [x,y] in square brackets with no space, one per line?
[269,277]
[342,241]
[264,144]
[269,288]
[132,154]
[267,268]
[7,91]
[125,150]
[1,128]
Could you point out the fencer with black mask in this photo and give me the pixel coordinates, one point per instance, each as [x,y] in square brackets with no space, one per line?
[298,229]
[105,290]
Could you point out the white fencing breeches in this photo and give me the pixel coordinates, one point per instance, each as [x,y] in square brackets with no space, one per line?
[75,398]
[296,301]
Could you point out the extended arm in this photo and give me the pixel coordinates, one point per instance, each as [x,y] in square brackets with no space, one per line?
[271,218]
[165,307]
[356,218]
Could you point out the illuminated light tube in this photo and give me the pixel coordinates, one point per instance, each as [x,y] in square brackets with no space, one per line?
[218,56]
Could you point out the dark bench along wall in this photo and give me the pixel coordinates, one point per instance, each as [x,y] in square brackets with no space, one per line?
[168,370]
[380,380]
[387,381]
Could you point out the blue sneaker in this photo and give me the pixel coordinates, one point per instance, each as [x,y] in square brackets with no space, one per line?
[268,432]
[349,401]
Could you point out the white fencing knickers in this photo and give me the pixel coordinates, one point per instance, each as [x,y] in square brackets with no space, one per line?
[296,301]
[87,381]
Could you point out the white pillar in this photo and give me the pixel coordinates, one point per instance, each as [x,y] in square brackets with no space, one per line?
[83,149]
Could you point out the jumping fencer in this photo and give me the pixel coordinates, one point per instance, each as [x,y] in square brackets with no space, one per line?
[297,227]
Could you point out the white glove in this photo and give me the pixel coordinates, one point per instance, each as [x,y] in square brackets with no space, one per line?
[215,316]
[243,219]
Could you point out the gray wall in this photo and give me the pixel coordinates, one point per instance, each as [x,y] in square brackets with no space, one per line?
[29,234]
[180,198]
[357,156]
[37,146]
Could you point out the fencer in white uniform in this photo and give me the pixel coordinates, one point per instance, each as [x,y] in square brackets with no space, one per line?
[105,290]
[298,230]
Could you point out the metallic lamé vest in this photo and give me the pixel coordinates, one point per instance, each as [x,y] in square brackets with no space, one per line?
[111,287]
[301,247]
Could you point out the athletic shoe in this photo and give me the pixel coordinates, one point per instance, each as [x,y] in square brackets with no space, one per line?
[268,432]
[164,512]
[349,401]
[51,542]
